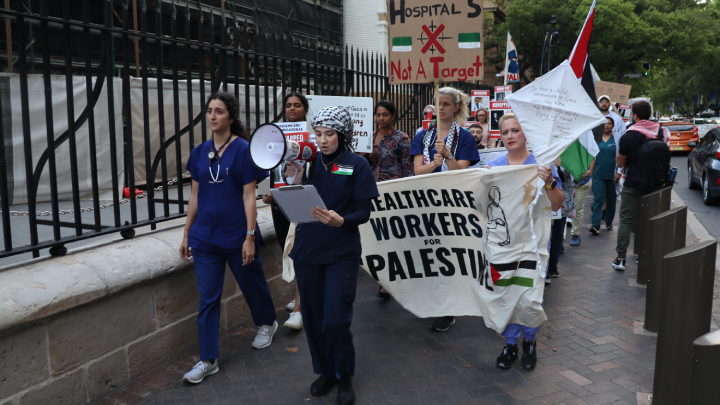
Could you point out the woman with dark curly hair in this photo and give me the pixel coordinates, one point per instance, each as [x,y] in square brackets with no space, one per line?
[221,227]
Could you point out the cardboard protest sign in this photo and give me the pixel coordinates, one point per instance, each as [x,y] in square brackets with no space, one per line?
[361,110]
[554,111]
[458,243]
[497,110]
[479,99]
[501,92]
[295,131]
[434,42]
[618,93]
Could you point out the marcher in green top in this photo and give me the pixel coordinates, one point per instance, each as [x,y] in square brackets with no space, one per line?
[604,178]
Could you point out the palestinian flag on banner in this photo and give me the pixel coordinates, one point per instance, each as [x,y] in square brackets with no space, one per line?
[497,268]
[469,40]
[402,44]
[579,154]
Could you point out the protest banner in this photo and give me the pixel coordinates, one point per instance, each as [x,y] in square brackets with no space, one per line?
[434,42]
[478,99]
[501,92]
[458,243]
[497,110]
[618,93]
[361,110]
[554,111]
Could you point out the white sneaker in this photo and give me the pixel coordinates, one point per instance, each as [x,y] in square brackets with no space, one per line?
[264,336]
[294,322]
[200,371]
[291,306]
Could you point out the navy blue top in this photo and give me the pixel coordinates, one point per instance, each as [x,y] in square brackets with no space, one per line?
[221,224]
[319,244]
[466,149]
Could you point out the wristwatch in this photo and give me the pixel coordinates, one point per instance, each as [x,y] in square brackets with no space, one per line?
[252,233]
[551,185]
[450,156]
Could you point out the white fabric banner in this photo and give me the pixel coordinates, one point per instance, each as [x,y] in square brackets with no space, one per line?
[14,137]
[460,243]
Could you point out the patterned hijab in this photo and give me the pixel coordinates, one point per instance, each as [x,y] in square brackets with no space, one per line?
[338,119]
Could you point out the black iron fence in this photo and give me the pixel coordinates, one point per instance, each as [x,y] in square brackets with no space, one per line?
[136,62]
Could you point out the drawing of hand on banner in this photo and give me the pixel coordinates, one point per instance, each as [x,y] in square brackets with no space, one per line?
[554,111]
[459,243]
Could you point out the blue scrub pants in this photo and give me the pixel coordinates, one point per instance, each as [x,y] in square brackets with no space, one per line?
[210,271]
[512,333]
[603,190]
[327,293]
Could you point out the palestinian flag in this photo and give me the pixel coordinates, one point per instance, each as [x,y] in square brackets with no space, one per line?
[402,44]
[469,40]
[496,270]
[347,171]
[579,154]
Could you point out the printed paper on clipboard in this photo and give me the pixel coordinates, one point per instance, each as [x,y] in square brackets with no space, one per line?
[297,202]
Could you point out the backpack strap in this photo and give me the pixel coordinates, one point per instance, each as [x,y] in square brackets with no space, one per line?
[660,134]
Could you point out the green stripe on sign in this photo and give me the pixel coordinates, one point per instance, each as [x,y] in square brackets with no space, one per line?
[521,281]
[469,37]
[402,41]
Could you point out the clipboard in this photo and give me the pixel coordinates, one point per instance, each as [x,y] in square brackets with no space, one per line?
[297,202]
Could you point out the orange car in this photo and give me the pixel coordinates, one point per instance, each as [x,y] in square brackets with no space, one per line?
[681,132]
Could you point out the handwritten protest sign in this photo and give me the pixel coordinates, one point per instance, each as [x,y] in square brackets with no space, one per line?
[618,93]
[554,111]
[457,243]
[432,42]
[361,111]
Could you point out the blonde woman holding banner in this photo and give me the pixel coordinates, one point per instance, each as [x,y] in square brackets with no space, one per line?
[513,137]
[446,145]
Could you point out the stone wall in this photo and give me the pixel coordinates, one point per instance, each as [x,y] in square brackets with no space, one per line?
[74,328]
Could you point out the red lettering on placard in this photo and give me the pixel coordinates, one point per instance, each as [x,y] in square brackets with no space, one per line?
[421,69]
[436,69]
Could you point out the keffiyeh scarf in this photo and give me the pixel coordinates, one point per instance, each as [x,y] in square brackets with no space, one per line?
[338,119]
[431,135]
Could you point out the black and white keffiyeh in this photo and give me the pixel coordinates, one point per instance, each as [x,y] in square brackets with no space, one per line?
[336,118]
[431,135]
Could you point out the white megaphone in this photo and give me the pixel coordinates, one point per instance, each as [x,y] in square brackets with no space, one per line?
[269,147]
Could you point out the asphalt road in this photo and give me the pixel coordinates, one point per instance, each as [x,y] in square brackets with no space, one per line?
[708,215]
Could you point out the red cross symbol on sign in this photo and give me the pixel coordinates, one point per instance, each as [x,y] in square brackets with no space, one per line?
[433,38]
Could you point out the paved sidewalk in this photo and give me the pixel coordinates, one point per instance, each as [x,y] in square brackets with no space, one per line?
[588,351]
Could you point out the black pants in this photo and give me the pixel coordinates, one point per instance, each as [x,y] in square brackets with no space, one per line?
[282,225]
[556,242]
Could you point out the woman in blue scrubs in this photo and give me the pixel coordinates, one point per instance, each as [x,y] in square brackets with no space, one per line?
[221,228]
[446,145]
[326,254]
[513,137]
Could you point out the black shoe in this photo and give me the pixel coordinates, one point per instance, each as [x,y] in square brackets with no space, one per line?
[529,357]
[594,230]
[322,386]
[346,394]
[554,273]
[609,227]
[508,356]
[619,264]
[383,295]
[443,324]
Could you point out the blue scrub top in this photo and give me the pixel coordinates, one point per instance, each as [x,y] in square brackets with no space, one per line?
[221,225]
[320,244]
[605,160]
[466,150]
[502,161]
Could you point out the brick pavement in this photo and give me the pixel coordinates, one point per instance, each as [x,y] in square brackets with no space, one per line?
[588,352]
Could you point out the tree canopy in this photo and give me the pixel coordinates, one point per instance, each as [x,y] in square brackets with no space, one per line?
[680,39]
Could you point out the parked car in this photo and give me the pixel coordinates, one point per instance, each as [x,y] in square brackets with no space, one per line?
[705,124]
[704,166]
[681,132]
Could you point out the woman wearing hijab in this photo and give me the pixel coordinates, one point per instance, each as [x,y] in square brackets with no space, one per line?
[514,138]
[446,145]
[326,254]
[221,229]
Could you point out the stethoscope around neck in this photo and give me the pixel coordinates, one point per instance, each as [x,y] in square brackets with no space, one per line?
[215,154]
